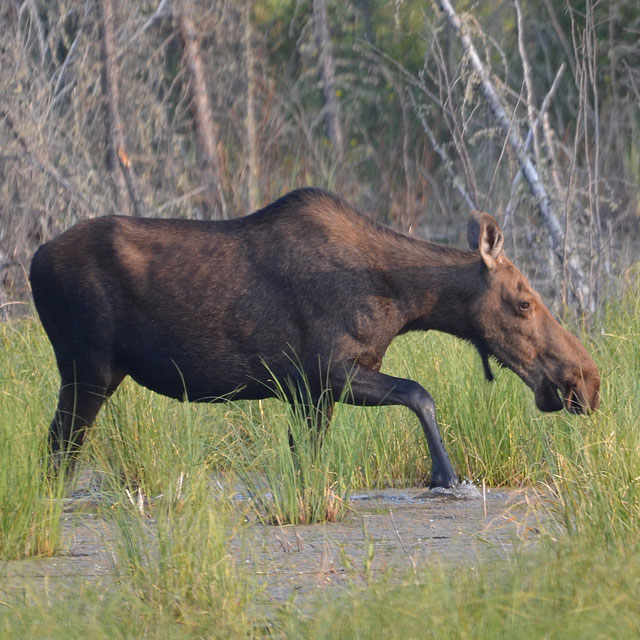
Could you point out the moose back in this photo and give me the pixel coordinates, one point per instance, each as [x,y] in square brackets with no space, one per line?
[306,291]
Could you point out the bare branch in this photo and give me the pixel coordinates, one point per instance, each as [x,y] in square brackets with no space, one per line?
[33,9]
[202,116]
[541,117]
[253,160]
[561,36]
[528,169]
[124,180]
[41,162]
[457,182]
[61,71]
[536,186]
[528,81]
[163,11]
[328,73]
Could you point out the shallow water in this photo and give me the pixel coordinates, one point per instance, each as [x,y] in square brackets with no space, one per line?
[464,491]
[398,531]
[387,531]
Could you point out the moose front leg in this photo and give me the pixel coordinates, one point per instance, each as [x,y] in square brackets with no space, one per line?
[371,388]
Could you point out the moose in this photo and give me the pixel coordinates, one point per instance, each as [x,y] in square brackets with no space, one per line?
[306,291]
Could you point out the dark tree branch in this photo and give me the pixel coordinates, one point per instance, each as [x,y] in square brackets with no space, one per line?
[117,157]
[205,129]
[328,74]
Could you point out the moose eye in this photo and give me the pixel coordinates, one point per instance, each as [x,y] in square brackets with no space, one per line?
[524,305]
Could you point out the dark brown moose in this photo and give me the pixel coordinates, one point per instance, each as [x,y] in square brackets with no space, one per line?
[306,286]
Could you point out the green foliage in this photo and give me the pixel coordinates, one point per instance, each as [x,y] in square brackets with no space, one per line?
[30,499]
[294,474]
[176,535]
[597,479]
[147,441]
[174,576]
[558,592]
[175,560]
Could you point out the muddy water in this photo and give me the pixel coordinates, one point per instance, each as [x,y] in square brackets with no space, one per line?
[393,532]
[390,532]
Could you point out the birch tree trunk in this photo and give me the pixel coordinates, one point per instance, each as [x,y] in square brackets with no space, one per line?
[328,76]
[118,162]
[205,130]
[529,171]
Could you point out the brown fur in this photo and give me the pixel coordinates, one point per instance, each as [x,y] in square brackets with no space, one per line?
[209,310]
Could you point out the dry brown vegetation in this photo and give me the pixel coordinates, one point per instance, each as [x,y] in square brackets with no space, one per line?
[209,109]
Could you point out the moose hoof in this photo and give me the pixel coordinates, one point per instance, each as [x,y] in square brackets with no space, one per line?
[443,481]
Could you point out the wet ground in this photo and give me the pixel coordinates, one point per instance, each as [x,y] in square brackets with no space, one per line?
[394,531]
[386,532]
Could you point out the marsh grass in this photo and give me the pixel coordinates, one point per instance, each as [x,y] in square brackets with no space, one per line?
[561,591]
[30,504]
[162,463]
[294,473]
[176,574]
[596,476]
[147,442]
[174,557]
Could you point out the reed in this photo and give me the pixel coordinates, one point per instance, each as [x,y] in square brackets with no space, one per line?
[168,470]
[30,497]
[293,473]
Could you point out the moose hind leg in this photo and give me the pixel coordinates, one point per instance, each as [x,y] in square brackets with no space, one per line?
[78,405]
[323,415]
[311,401]
[318,418]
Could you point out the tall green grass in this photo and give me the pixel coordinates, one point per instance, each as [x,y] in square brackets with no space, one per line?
[566,591]
[163,463]
[596,475]
[301,474]
[30,505]
[146,442]
[305,484]
[175,558]
[175,575]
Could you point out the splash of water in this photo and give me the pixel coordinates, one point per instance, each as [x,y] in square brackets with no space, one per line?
[466,490]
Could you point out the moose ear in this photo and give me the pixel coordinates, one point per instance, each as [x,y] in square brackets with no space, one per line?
[484,235]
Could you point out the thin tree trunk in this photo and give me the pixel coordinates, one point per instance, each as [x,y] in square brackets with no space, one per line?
[527,167]
[205,129]
[410,202]
[253,160]
[561,36]
[328,75]
[118,163]
[546,127]
[42,162]
[528,81]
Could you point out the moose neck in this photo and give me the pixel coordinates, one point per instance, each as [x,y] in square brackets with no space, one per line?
[435,287]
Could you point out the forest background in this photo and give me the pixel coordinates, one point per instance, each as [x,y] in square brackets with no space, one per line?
[212,109]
